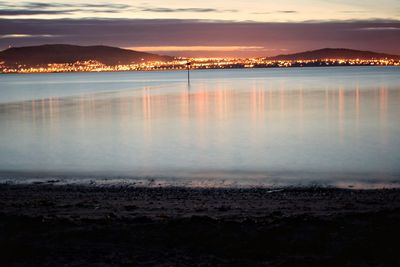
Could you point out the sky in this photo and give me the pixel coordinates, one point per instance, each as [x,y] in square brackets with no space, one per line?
[205,28]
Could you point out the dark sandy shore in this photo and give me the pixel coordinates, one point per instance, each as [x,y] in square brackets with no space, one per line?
[52,225]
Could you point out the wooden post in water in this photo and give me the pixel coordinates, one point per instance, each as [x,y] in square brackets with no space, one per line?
[188,64]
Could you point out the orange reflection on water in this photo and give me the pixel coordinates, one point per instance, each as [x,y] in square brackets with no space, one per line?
[341,111]
[301,110]
[147,114]
[383,110]
[357,104]
[282,92]
[260,109]
[221,101]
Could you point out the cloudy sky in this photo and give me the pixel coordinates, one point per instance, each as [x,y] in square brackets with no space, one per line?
[205,28]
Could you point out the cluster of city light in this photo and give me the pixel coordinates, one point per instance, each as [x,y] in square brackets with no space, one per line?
[195,63]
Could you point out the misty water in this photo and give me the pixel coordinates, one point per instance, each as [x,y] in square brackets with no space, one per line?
[335,126]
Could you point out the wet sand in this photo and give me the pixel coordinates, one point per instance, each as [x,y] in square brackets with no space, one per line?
[68,225]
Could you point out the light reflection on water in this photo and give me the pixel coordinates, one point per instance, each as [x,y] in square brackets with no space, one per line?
[330,126]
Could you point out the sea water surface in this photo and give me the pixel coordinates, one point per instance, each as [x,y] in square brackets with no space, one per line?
[335,126]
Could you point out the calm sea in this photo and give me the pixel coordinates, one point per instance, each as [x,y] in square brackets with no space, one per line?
[336,126]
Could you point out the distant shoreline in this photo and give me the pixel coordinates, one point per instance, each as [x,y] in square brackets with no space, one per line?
[51,58]
[233,68]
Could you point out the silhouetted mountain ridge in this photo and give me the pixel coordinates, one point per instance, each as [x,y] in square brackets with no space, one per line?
[62,53]
[33,56]
[334,53]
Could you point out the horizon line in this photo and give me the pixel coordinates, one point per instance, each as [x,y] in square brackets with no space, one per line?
[195,48]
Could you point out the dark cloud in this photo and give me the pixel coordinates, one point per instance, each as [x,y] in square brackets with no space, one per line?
[163,32]
[378,29]
[275,12]
[42,5]
[21,12]
[287,11]
[353,11]
[40,8]
[113,6]
[192,9]
[33,5]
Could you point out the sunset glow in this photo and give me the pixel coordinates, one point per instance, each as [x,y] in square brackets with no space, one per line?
[205,28]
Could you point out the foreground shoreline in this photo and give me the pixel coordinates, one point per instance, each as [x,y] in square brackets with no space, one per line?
[75,225]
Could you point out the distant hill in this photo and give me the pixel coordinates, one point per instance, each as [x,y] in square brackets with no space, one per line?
[330,53]
[61,53]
